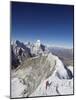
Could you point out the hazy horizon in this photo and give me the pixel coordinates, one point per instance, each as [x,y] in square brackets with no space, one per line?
[48,45]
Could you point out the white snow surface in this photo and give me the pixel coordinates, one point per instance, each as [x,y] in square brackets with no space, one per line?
[17,88]
[56,87]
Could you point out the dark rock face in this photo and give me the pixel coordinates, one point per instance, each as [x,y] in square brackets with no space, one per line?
[42,47]
[19,52]
[70,75]
[14,60]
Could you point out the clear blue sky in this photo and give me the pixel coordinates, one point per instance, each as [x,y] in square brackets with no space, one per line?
[52,24]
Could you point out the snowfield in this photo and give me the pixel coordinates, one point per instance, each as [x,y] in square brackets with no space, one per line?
[56,86]
[42,76]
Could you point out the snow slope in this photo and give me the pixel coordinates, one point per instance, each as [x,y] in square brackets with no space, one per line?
[42,76]
[56,86]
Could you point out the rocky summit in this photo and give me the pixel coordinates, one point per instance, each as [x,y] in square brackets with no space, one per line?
[35,71]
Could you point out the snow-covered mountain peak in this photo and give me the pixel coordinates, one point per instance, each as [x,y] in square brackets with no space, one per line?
[37,44]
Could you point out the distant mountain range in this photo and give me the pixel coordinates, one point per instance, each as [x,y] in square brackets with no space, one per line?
[21,51]
[65,54]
